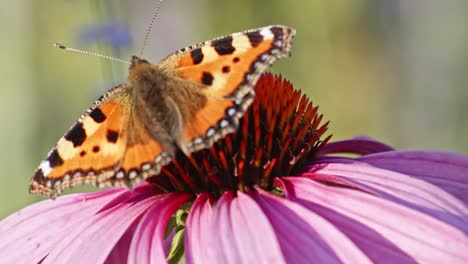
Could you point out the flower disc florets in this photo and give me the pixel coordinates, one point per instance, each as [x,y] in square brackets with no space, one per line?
[280,131]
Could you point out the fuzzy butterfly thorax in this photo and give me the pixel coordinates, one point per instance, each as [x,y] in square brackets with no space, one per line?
[159,100]
[186,102]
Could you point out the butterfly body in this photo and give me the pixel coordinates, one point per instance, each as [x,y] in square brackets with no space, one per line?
[187,102]
[159,100]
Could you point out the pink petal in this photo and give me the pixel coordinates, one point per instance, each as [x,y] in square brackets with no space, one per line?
[92,240]
[238,232]
[386,231]
[39,228]
[120,250]
[167,242]
[448,171]
[148,241]
[357,145]
[399,188]
[198,243]
[304,235]
[252,234]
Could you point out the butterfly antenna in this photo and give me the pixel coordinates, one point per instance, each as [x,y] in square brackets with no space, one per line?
[60,46]
[145,42]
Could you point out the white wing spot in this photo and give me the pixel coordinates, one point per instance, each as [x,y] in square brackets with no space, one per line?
[120,175]
[146,166]
[231,111]
[210,132]
[132,175]
[224,123]
[158,159]
[45,167]
[57,184]
[66,177]
[266,33]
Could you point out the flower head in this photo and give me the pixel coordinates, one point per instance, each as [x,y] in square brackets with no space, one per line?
[274,191]
[279,133]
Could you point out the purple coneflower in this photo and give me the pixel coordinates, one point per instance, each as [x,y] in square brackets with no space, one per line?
[270,193]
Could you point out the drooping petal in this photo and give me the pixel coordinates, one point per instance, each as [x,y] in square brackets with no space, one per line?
[147,245]
[402,189]
[387,231]
[239,233]
[120,250]
[39,228]
[446,170]
[304,236]
[92,240]
[357,145]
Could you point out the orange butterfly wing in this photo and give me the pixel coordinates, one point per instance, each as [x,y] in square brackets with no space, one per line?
[81,156]
[144,156]
[101,149]
[228,69]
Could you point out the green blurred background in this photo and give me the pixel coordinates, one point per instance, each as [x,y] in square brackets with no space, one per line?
[395,70]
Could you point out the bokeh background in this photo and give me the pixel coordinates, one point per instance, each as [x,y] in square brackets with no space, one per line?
[395,70]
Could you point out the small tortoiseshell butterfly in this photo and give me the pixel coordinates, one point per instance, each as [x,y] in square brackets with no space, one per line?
[189,100]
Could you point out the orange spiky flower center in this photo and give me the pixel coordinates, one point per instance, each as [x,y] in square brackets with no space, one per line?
[278,134]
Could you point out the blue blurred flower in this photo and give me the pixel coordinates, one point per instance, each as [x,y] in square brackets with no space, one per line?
[114,34]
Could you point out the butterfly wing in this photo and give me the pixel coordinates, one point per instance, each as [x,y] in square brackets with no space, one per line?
[103,144]
[144,156]
[227,70]
[81,156]
[109,145]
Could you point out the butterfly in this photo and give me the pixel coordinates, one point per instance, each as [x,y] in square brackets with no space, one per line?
[188,101]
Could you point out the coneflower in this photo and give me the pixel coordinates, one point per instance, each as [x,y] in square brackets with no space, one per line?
[269,193]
